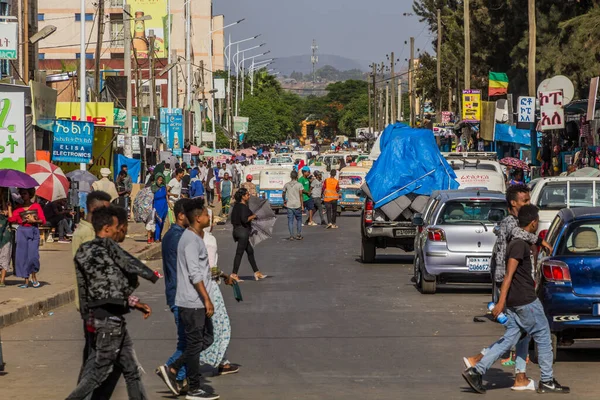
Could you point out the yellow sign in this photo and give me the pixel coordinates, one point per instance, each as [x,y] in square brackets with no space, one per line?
[157,9]
[471,105]
[98,113]
[102,152]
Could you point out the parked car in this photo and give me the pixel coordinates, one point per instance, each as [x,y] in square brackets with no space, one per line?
[455,237]
[569,277]
[350,180]
[553,194]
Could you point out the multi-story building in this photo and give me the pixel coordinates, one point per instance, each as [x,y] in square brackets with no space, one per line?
[60,52]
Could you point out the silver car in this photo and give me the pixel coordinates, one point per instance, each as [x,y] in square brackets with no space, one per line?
[455,237]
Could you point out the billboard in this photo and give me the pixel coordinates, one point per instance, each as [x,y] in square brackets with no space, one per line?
[240,127]
[8,40]
[43,105]
[471,110]
[157,9]
[12,131]
[98,113]
[175,130]
[73,141]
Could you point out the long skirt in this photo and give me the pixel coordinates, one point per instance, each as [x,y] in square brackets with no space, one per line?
[221,330]
[27,255]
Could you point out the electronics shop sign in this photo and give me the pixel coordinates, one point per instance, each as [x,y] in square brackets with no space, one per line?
[73,141]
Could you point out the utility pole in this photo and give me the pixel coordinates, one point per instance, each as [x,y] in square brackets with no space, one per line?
[382,100]
[82,73]
[202,87]
[400,113]
[467,24]
[374,97]
[175,83]
[369,94]
[99,40]
[411,82]
[393,88]
[387,104]
[439,62]
[151,40]
[26,40]
[531,72]
[127,149]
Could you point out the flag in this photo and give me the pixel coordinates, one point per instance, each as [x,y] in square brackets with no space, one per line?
[498,84]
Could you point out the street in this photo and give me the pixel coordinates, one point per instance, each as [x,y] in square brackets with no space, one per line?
[322,326]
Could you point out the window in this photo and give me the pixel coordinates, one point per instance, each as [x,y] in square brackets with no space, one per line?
[41,17]
[116,3]
[88,17]
[88,56]
[553,196]
[581,238]
[467,212]
[117,56]
[41,56]
[116,33]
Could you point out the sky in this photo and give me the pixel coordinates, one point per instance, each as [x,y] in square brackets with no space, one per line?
[363,30]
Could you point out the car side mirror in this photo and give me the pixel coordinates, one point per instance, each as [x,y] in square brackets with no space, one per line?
[418,220]
[495,215]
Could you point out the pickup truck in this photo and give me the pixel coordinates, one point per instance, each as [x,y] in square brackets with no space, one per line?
[379,232]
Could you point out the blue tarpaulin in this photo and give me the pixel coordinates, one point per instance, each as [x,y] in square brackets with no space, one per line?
[410,162]
[133,167]
[510,134]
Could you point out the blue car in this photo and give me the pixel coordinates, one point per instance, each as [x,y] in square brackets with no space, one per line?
[569,278]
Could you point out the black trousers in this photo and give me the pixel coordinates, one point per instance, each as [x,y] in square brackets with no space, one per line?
[242,236]
[198,337]
[114,347]
[331,207]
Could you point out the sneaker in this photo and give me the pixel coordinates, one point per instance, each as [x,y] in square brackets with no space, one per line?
[299,237]
[168,378]
[291,238]
[64,241]
[69,235]
[228,369]
[183,386]
[334,227]
[312,224]
[328,226]
[552,387]
[474,379]
[200,394]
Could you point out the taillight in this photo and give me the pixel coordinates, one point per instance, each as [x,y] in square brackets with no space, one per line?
[369,212]
[543,234]
[556,271]
[436,235]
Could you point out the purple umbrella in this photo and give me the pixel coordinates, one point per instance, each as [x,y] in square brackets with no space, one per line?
[241,158]
[18,179]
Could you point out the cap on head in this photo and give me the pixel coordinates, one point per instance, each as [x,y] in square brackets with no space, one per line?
[249,178]
[105,172]
[305,169]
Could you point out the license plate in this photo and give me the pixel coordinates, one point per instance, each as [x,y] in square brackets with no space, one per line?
[351,196]
[275,195]
[478,264]
[404,232]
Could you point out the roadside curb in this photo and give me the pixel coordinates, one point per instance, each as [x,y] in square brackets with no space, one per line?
[59,299]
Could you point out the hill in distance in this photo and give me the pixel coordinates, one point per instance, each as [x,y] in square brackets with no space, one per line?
[287,65]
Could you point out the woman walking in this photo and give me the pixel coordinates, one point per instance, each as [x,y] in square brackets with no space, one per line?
[241,217]
[5,237]
[27,257]
[216,354]
[160,205]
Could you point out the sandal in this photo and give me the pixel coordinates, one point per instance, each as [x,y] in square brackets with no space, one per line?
[236,278]
[259,276]
[36,284]
[23,286]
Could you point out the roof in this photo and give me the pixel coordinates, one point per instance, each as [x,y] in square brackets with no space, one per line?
[570,214]
[469,194]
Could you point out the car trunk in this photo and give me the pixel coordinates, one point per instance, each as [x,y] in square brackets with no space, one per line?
[468,237]
[585,274]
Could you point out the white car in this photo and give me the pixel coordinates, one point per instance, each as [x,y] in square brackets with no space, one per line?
[551,195]
[283,161]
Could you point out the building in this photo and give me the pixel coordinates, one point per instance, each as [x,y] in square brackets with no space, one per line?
[60,52]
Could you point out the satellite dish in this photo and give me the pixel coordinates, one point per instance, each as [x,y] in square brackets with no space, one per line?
[564,83]
[502,111]
[543,86]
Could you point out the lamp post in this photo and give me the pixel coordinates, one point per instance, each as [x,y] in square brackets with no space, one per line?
[237,70]
[257,66]
[242,68]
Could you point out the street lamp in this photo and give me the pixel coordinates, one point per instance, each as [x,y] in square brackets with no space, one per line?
[43,34]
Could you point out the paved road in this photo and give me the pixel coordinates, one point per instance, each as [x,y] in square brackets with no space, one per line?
[323,326]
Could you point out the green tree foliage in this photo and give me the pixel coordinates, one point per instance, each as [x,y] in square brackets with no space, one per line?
[355,115]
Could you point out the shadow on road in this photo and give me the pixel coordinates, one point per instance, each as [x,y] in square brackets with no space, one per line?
[403,259]
[578,354]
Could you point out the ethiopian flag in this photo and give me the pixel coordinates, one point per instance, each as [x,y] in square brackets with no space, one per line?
[498,84]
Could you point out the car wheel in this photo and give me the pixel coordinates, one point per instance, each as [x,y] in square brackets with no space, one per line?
[367,251]
[417,272]
[277,211]
[533,354]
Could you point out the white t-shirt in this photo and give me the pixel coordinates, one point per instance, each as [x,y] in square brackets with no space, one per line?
[222,172]
[211,184]
[175,186]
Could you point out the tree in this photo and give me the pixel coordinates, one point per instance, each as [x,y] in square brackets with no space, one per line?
[355,114]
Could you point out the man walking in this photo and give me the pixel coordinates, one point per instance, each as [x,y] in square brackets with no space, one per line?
[316,194]
[249,186]
[194,281]
[175,186]
[524,311]
[226,192]
[106,277]
[308,204]
[105,184]
[331,195]
[169,256]
[292,200]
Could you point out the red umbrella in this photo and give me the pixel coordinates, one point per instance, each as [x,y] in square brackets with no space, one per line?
[52,180]
[515,163]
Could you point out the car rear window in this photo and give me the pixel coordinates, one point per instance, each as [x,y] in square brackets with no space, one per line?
[469,211]
[581,238]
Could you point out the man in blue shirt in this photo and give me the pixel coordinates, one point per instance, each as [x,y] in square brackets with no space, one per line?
[169,257]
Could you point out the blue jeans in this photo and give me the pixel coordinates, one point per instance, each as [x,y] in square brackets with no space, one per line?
[181,374]
[295,213]
[531,319]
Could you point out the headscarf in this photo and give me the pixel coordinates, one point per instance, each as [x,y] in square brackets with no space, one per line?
[160,168]
[155,185]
